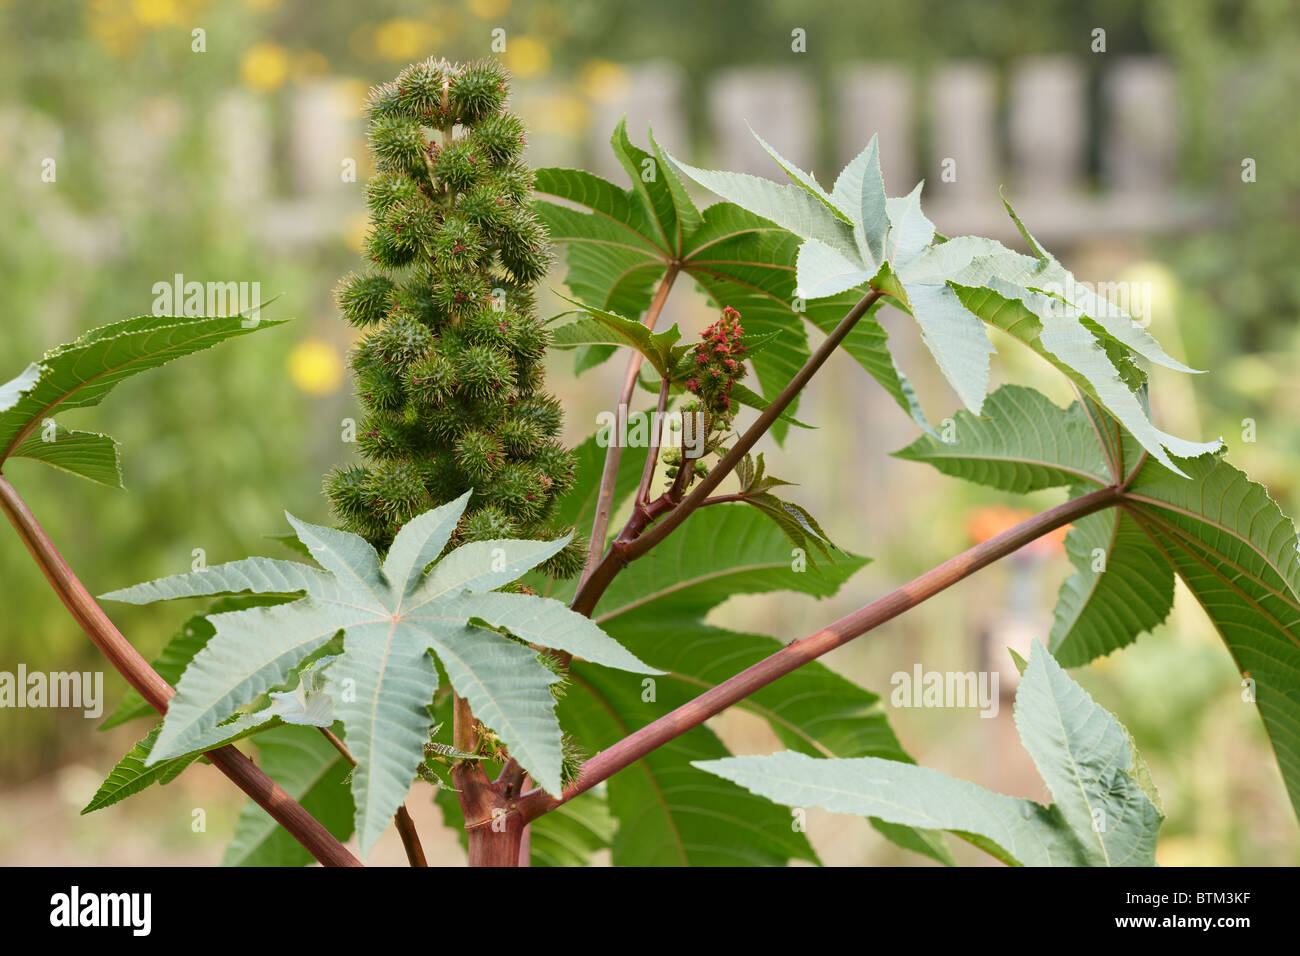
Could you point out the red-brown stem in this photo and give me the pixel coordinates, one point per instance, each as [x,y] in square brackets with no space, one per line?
[634,541]
[614,450]
[652,457]
[692,714]
[245,774]
[722,499]
[493,829]
[410,837]
[402,819]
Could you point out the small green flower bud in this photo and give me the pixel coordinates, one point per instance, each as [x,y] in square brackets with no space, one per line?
[442,476]
[523,247]
[432,380]
[414,224]
[520,436]
[490,327]
[416,297]
[460,293]
[544,410]
[514,182]
[520,490]
[485,207]
[558,464]
[381,436]
[383,101]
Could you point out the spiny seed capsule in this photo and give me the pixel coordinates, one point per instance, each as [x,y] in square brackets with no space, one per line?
[490,524]
[460,165]
[389,189]
[478,91]
[450,372]
[396,490]
[345,488]
[419,88]
[364,299]
[398,144]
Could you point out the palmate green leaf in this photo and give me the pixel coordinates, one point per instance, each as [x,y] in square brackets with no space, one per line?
[1019,832]
[655,182]
[798,208]
[722,551]
[1022,442]
[1086,758]
[177,653]
[89,454]
[727,544]
[1220,532]
[1121,587]
[616,255]
[617,330]
[81,373]
[952,287]
[1079,352]
[313,772]
[1091,341]
[1236,552]
[130,775]
[1116,323]
[860,192]
[1102,816]
[800,178]
[741,260]
[612,248]
[309,704]
[666,815]
[391,616]
[812,710]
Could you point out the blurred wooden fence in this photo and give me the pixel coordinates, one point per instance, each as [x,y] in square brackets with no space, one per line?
[1080,160]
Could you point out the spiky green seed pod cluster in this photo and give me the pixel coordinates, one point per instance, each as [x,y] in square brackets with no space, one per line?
[449,369]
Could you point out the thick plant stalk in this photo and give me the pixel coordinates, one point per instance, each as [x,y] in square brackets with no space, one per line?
[692,714]
[245,774]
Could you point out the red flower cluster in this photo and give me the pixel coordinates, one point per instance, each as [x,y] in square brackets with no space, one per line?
[719,363]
